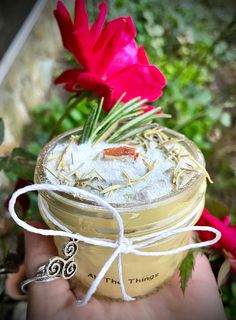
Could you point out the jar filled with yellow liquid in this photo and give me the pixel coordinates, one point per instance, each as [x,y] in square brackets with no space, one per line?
[156,181]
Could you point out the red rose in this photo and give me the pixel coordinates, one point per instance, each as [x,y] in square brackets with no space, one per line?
[110,62]
[227,241]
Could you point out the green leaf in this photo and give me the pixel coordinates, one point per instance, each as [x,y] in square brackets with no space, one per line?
[185,269]
[223,273]
[33,212]
[19,153]
[213,256]
[20,163]
[1,131]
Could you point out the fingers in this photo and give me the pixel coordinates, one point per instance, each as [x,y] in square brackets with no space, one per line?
[201,298]
[203,288]
[45,298]
[38,249]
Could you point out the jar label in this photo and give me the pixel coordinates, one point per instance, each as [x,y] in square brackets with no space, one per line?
[130,280]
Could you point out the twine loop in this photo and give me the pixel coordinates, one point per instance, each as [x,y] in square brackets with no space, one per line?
[122,245]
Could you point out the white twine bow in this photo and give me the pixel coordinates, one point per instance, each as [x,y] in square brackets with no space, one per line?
[122,245]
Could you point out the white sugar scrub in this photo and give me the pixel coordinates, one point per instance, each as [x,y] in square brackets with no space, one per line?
[163,165]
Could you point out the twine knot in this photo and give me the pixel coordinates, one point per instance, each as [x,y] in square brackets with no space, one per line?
[125,245]
[121,246]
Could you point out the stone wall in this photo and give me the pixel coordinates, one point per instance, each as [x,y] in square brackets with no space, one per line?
[29,81]
[30,78]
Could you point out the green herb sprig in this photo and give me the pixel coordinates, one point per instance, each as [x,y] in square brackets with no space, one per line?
[186,269]
[123,121]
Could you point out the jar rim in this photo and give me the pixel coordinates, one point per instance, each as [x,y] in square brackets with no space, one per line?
[128,207]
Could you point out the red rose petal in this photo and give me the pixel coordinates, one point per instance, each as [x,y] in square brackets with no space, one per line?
[117,34]
[96,28]
[138,80]
[228,233]
[65,25]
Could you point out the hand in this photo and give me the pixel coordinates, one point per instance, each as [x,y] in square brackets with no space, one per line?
[56,301]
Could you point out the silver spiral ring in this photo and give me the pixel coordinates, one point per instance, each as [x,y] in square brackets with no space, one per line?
[69,269]
[70,249]
[40,277]
[54,267]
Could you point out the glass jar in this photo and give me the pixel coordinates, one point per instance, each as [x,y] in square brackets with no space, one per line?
[141,274]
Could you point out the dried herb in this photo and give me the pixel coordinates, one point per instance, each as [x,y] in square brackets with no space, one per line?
[112,188]
[73,139]
[150,167]
[176,152]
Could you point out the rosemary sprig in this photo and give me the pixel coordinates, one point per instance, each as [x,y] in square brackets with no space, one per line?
[115,117]
[91,123]
[123,121]
[132,133]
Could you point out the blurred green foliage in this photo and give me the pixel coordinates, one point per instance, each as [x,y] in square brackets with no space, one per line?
[184,40]
[45,118]
[228,294]
[193,43]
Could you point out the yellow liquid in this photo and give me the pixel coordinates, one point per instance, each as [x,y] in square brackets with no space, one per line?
[142,275]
